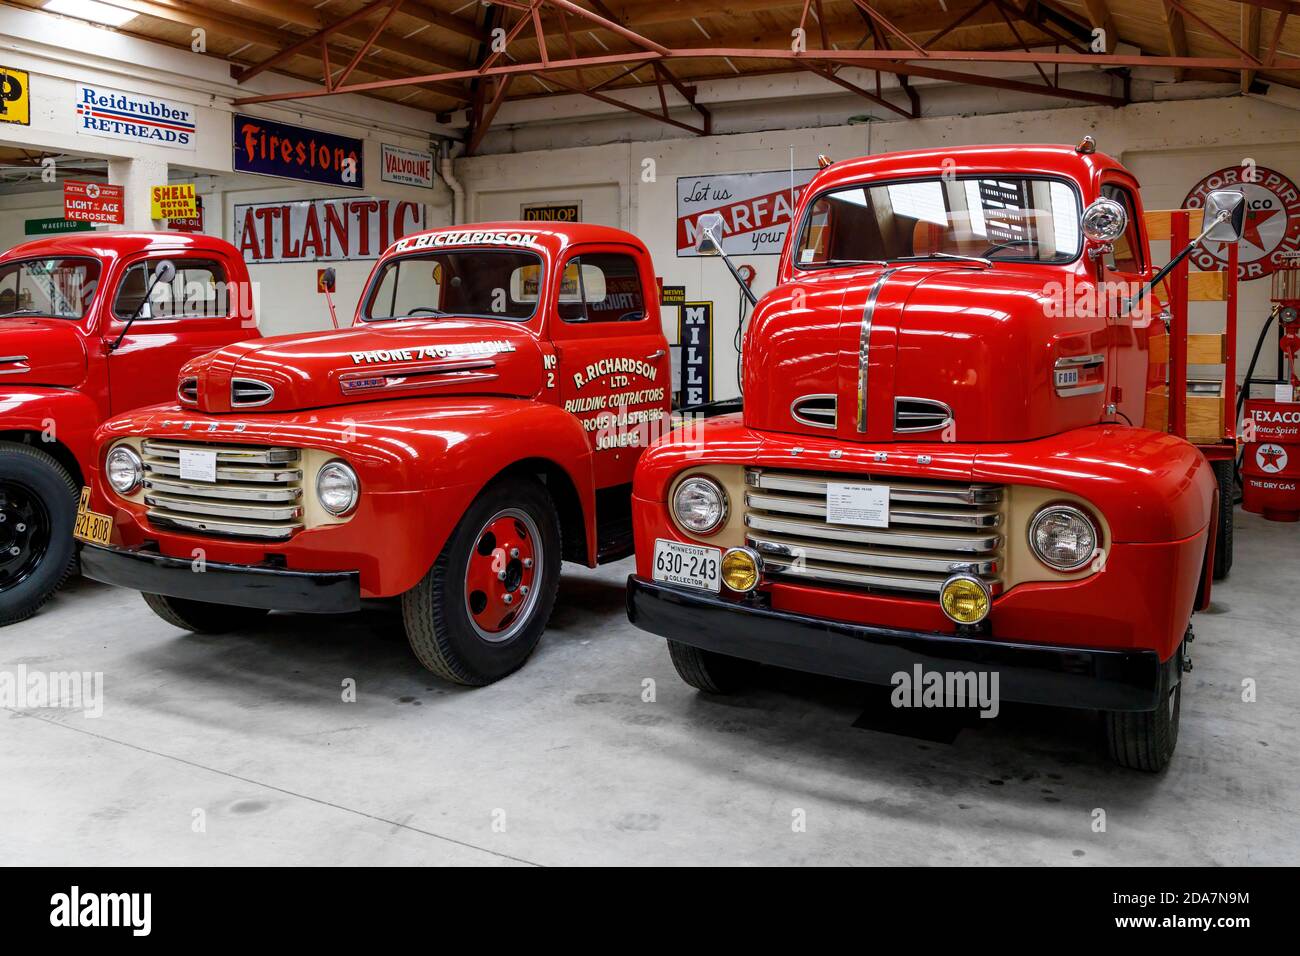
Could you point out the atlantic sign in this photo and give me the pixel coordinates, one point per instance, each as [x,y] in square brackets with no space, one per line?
[136,117]
[323,230]
[267,148]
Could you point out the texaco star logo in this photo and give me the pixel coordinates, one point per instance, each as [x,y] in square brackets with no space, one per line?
[92,190]
[1272,228]
[1271,458]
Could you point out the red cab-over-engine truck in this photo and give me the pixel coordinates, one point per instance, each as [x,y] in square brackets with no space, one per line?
[940,460]
[477,424]
[92,324]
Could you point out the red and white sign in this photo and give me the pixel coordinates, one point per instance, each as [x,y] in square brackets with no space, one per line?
[406,166]
[1271,458]
[1272,231]
[93,202]
[323,230]
[190,224]
[756,208]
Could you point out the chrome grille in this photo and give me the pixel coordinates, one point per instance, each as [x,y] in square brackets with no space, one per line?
[920,415]
[257,494]
[936,529]
[188,391]
[249,393]
[815,410]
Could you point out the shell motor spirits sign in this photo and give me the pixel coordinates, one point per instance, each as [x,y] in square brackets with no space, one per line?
[1272,231]
[93,202]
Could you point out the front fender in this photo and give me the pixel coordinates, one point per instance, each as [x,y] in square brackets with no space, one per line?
[64,415]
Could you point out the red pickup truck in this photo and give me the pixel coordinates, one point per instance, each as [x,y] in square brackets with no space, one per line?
[92,324]
[478,423]
[937,467]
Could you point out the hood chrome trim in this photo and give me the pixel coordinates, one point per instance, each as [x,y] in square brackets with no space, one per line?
[809,416]
[864,346]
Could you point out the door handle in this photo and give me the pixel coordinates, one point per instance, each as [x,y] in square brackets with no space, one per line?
[657,354]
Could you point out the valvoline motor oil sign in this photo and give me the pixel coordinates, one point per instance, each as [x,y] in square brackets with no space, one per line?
[137,117]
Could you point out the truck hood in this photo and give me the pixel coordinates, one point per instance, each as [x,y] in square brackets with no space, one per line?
[369,362]
[924,352]
[41,352]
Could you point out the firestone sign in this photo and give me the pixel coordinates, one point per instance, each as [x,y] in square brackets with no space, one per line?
[1272,230]
[135,117]
[268,148]
[323,230]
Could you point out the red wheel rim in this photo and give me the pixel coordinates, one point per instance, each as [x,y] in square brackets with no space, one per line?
[502,574]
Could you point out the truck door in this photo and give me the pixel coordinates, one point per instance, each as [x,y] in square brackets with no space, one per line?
[612,355]
[1123,270]
[190,316]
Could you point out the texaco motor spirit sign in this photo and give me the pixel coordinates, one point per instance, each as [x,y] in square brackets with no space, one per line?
[1272,232]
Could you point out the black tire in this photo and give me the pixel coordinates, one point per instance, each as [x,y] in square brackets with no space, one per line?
[1224,475]
[1145,740]
[202,617]
[39,496]
[708,671]
[441,628]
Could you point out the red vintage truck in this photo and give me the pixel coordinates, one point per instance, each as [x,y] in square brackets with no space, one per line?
[92,324]
[478,423]
[937,464]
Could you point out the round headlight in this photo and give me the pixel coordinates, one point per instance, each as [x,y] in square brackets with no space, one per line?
[965,599]
[124,469]
[337,488]
[700,505]
[740,570]
[1063,537]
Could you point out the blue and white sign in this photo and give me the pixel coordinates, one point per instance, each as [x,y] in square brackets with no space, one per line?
[134,116]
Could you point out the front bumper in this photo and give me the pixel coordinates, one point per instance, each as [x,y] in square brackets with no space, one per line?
[311,592]
[1122,680]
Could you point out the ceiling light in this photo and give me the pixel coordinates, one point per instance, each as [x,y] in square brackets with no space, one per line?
[91,10]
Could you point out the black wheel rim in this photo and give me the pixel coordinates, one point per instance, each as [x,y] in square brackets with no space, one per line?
[24,533]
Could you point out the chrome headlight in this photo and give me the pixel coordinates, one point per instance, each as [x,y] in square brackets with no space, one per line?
[1063,537]
[700,505]
[337,488]
[124,469]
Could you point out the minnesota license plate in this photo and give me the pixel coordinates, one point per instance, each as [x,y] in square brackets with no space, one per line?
[691,565]
[91,526]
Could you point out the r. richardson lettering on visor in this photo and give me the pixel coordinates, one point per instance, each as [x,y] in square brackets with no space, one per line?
[437,240]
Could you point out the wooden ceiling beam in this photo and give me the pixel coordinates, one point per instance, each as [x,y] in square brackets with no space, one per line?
[1250,17]
[1175,35]
[1100,18]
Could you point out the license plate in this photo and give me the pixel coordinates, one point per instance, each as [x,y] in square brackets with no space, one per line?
[198,464]
[91,526]
[691,565]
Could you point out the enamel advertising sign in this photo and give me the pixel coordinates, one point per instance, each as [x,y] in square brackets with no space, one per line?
[267,148]
[93,202]
[756,208]
[1272,231]
[323,230]
[136,117]
[406,166]
[15,97]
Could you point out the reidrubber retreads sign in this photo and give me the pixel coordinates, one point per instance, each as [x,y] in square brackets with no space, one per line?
[136,117]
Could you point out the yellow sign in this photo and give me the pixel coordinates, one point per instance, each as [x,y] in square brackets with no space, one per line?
[177,201]
[15,97]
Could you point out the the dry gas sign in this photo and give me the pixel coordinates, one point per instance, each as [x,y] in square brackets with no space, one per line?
[1272,230]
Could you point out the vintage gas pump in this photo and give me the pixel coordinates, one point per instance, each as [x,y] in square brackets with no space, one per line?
[1270,471]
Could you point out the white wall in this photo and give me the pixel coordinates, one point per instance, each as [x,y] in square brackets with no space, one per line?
[1169,145]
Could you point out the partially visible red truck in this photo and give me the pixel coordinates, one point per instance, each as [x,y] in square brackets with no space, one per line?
[478,423]
[92,324]
[937,465]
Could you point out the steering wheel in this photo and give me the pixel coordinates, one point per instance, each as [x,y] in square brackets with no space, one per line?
[1009,244]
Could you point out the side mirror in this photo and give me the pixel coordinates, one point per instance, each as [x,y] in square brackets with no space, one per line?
[164,272]
[329,280]
[1225,215]
[708,241]
[1104,220]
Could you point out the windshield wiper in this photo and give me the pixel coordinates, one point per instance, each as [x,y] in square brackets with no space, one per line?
[6,315]
[946,255]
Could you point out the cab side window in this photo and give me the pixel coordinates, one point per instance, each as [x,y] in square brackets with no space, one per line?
[198,291]
[601,287]
[1127,254]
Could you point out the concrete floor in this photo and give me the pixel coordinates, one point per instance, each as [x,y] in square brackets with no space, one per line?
[251,730]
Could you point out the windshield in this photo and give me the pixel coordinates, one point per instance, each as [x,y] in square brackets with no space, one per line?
[55,288]
[989,217]
[483,283]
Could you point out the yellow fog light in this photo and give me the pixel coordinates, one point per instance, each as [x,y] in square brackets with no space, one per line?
[740,570]
[965,599]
